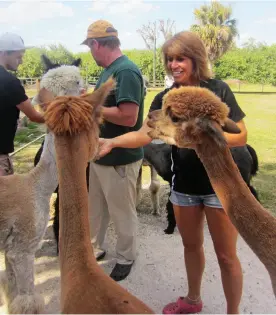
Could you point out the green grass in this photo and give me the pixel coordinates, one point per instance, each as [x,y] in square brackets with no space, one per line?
[260,121]
[27,134]
[24,160]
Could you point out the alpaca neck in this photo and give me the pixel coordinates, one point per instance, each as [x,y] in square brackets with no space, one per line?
[222,171]
[75,246]
[255,224]
[45,172]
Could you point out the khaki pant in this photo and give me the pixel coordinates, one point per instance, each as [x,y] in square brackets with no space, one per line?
[6,165]
[112,194]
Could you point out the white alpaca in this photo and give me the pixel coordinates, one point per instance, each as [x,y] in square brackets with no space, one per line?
[25,207]
[64,80]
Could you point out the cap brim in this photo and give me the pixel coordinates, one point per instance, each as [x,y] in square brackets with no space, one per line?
[84,42]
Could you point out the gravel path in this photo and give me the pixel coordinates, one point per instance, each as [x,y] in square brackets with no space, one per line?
[158,276]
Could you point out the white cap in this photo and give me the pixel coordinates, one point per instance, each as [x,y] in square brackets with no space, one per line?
[11,42]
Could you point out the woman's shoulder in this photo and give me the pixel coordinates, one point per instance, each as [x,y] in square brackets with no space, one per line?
[219,87]
[162,93]
[157,101]
[215,84]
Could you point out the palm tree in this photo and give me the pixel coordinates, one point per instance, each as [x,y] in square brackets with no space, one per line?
[216,28]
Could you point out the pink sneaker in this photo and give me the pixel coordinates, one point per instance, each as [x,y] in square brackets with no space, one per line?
[182,307]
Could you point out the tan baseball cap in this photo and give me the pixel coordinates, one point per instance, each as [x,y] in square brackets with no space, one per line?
[100,29]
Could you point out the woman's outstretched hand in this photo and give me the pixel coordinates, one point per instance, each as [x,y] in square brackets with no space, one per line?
[105,146]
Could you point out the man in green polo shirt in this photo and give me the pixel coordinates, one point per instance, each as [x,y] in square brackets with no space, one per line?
[113,178]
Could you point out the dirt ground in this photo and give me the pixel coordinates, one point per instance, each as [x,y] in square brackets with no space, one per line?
[158,276]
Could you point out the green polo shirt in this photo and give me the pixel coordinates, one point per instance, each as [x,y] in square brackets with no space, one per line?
[129,88]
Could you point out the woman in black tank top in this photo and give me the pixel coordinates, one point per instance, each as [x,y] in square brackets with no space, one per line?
[192,195]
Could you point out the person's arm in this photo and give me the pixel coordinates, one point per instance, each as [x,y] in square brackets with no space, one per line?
[130,140]
[134,139]
[236,140]
[17,97]
[27,108]
[129,96]
[237,115]
[125,114]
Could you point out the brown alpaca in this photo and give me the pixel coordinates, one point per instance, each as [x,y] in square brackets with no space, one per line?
[195,118]
[85,287]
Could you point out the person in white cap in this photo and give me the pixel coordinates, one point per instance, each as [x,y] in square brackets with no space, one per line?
[13,98]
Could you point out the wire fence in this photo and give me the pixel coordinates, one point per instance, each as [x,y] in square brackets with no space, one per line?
[24,155]
[237,86]
[27,145]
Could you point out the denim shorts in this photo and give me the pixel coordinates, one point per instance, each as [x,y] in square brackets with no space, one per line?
[184,200]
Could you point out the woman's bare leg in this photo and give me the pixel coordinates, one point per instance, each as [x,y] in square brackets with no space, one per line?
[224,236]
[190,222]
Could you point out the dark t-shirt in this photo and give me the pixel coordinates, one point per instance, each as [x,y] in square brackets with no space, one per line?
[12,94]
[189,174]
[129,88]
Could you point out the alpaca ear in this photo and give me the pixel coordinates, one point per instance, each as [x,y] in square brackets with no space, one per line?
[76,62]
[47,62]
[211,129]
[230,126]
[98,97]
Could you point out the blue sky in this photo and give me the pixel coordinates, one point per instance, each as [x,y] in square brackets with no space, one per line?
[66,22]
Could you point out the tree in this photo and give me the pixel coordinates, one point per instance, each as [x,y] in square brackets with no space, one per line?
[252,44]
[166,28]
[150,34]
[216,28]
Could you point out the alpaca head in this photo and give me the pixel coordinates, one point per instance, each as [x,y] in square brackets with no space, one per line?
[60,79]
[48,64]
[68,116]
[189,116]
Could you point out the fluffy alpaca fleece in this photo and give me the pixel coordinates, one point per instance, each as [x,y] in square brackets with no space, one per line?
[85,287]
[189,102]
[24,213]
[59,80]
[194,118]
[64,80]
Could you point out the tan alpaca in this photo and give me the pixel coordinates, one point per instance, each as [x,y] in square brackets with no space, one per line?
[193,117]
[85,287]
[25,207]
[24,214]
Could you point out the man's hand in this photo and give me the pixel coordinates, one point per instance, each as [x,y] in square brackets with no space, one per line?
[28,109]
[105,146]
[83,91]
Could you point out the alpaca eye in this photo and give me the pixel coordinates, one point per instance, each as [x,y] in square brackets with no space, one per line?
[171,115]
[174,119]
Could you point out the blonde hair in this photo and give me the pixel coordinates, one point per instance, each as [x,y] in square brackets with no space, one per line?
[188,44]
